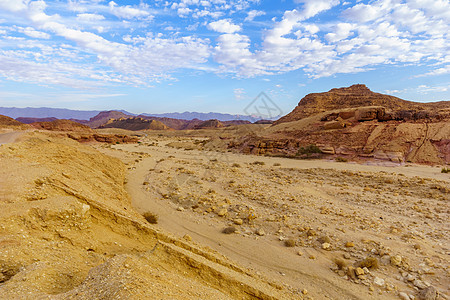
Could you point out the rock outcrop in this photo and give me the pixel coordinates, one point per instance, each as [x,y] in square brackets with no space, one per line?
[359,95]
[360,124]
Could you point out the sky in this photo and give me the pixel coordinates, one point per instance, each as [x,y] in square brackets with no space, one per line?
[218,55]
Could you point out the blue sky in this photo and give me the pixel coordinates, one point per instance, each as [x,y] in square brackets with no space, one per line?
[217,55]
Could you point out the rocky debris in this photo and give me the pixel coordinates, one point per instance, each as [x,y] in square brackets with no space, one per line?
[378,281]
[103,138]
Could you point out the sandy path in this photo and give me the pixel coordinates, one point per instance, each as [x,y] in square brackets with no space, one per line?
[264,255]
[9,137]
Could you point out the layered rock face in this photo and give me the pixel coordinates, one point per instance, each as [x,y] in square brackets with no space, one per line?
[359,95]
[358,123]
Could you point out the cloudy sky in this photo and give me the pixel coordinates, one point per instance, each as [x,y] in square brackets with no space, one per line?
[218,55]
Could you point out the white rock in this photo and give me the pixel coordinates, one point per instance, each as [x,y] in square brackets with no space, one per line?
[378,281]
[403,296]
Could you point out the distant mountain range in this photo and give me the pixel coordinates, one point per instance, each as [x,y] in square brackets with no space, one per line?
[62,113]
[203,116]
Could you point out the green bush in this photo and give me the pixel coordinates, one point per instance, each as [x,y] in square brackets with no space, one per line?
[308,150]
[445,170]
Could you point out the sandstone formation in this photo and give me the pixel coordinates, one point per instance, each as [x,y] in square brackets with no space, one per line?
[359,95]
[359,124]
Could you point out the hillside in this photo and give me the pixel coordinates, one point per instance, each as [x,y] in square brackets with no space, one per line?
[7,122]
[357,95]
[69,232]
[135,124]
[62,125]
[357,124]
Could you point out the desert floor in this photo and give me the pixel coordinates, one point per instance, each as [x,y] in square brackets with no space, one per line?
[330,230]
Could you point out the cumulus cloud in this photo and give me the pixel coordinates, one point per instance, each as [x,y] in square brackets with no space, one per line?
[115,43]
[251,15]
[224,26]
[127,11]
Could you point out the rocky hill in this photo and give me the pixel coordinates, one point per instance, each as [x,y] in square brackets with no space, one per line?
[359,95]
[62,125]
[7,122]
[135,124]
[358,124]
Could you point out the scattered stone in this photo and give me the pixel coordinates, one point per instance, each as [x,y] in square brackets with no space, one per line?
[429,293]
[410,277]
[396,260]
[351,272]
[359,271]
[299,253]
[304,291]
[349,244]
[419,284]
[378,281]
[238,221]
[222,212]
[187,237]
[403,296]
[326,246]
[180,208]
[260,232]
[346,256]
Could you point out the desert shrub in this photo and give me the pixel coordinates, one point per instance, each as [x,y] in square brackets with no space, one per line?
[151,217]
[260,163]
[310,149]
[289,243]
[445,170]
[276,164]
[229,230]
[324,239]
[369,262]
[213,160]
[340,263]
[341,159]
[236,165]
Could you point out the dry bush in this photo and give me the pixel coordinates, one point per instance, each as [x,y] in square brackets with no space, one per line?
[229,230]
[151,217]
[445,170]
[260,163]
[369,262]
[236,165]
[341,159]
[276,164]
[289,243]
[340,263]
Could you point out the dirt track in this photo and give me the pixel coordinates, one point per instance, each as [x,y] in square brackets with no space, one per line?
[334,185]
[9,137]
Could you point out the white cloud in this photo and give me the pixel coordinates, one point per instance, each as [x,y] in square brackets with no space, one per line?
[224,26]
[251,15]
[90,17]
[127,12]
[436,72]
[313,7]
[31,32]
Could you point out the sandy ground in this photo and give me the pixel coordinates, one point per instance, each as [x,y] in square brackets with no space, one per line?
[294,219]
[9,137]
